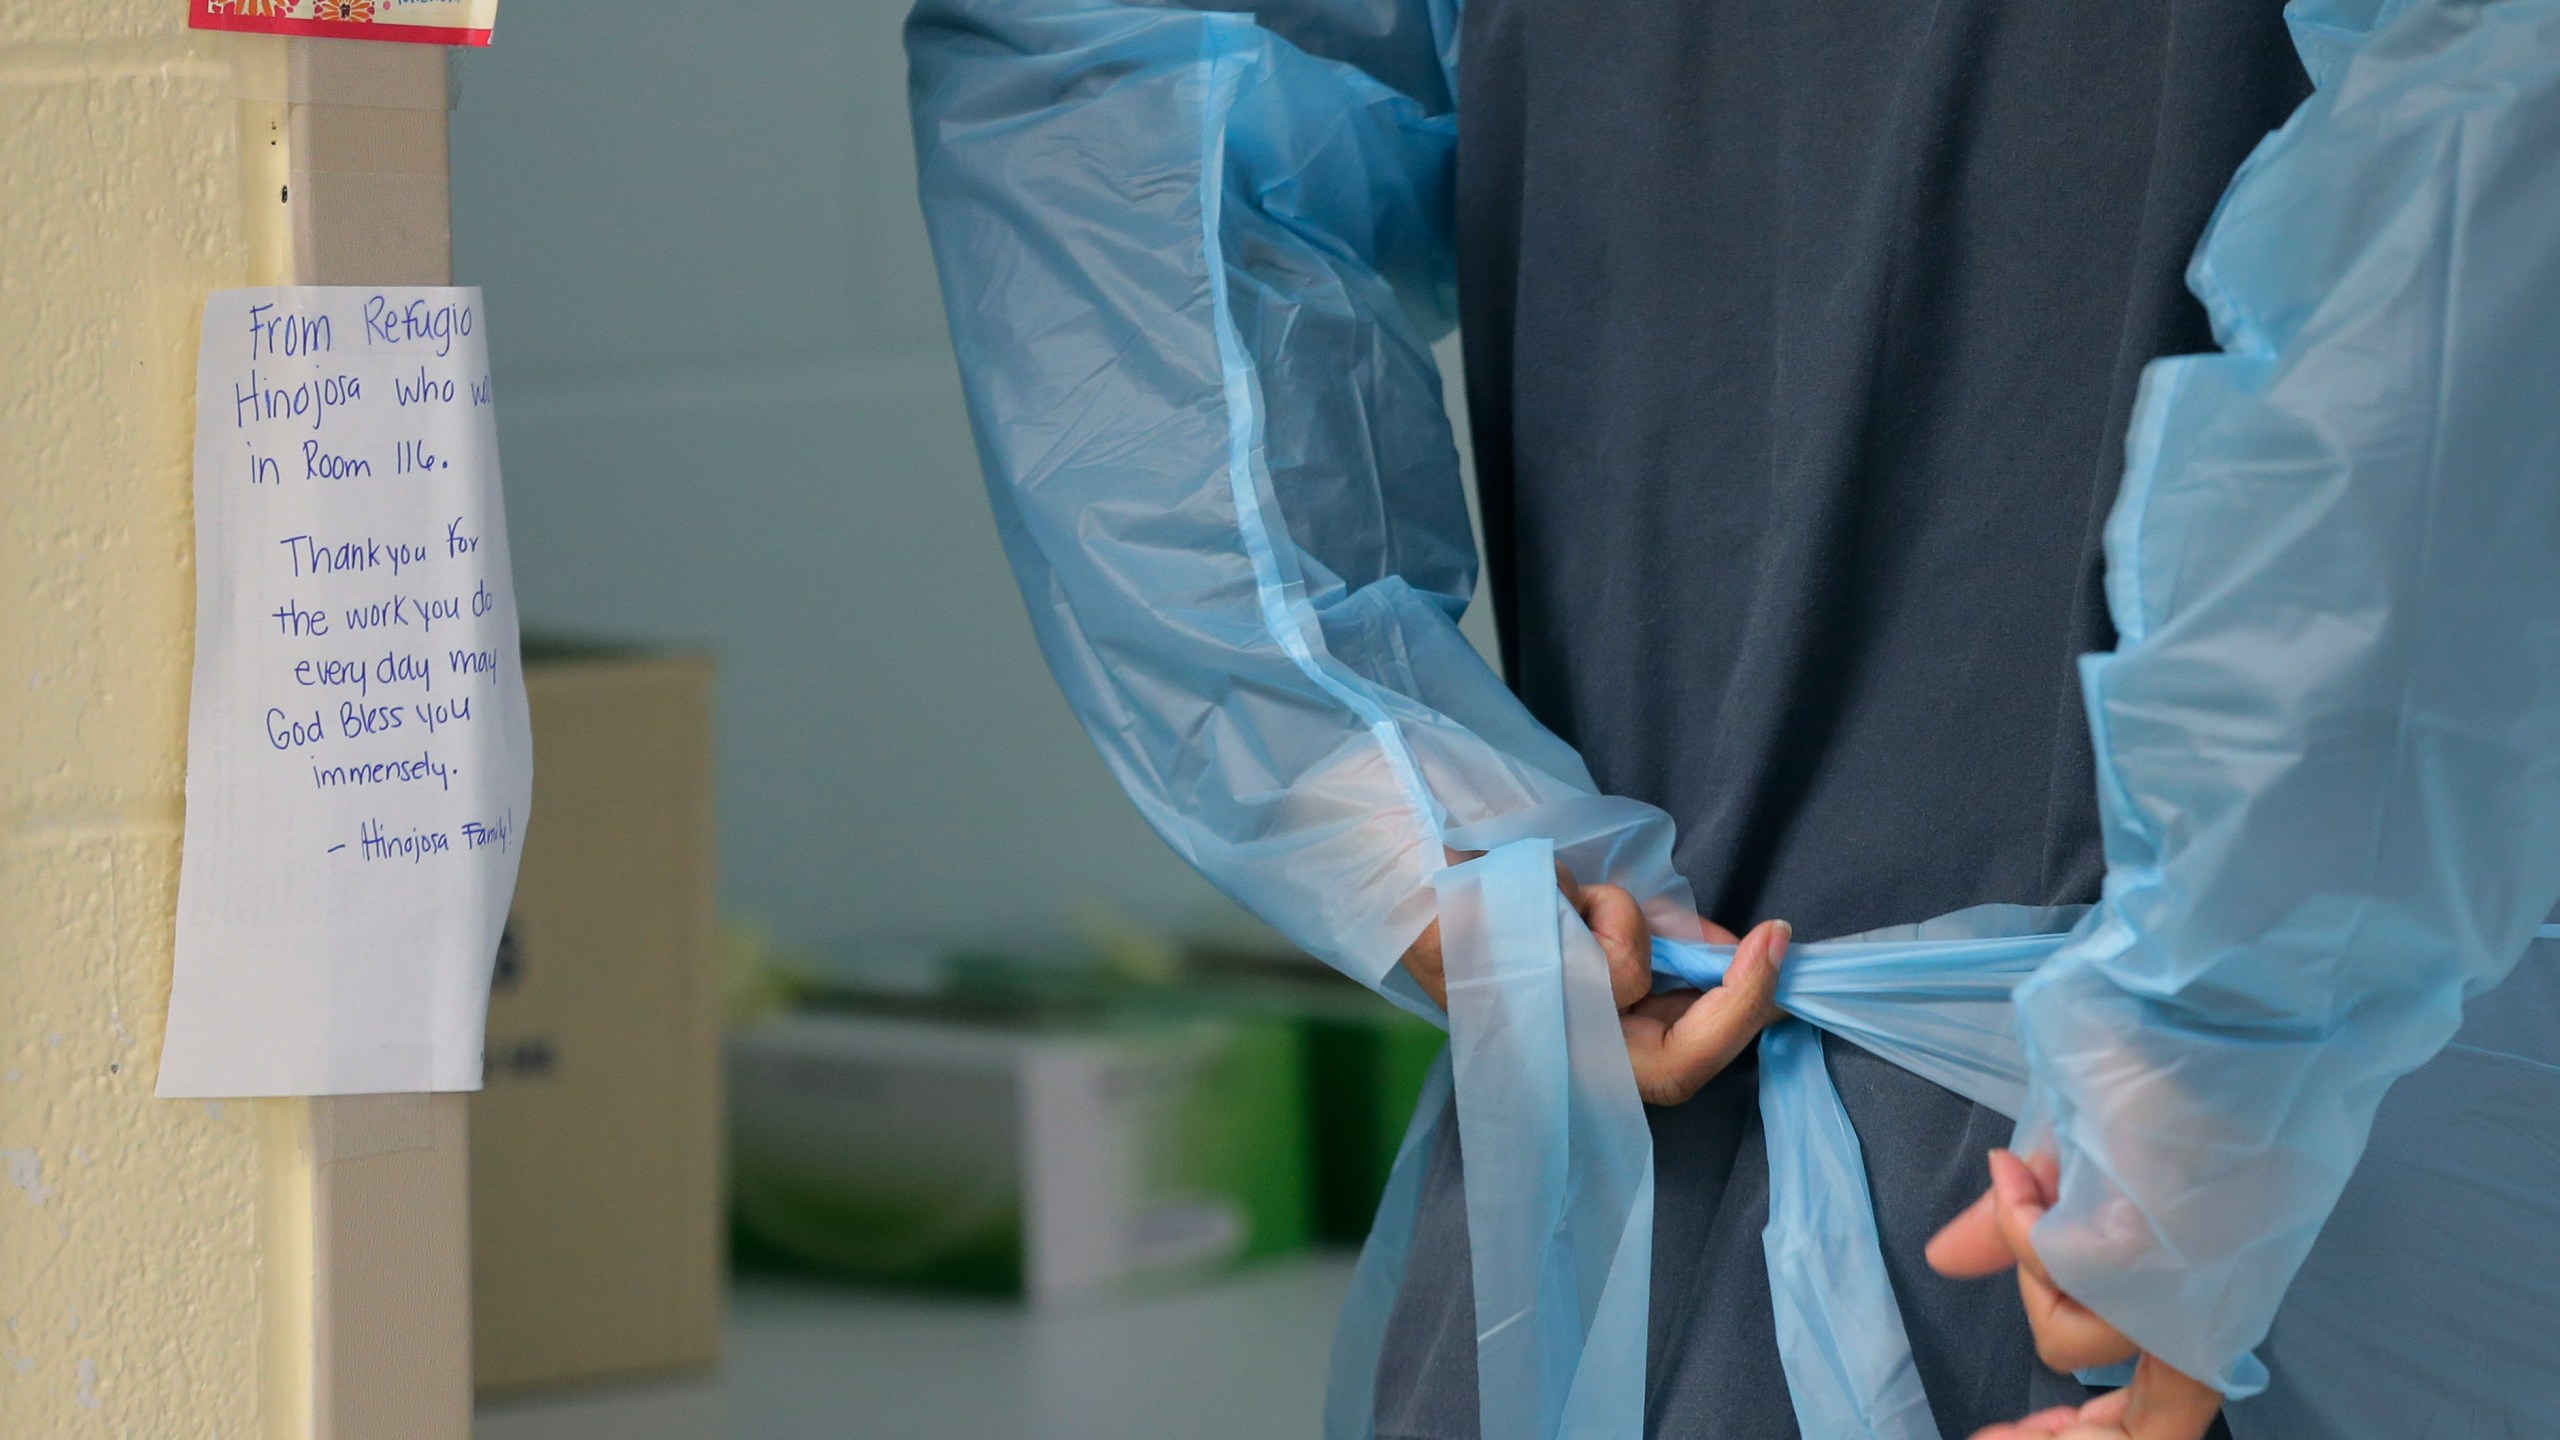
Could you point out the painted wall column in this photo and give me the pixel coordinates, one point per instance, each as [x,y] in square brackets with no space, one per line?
[178,1269]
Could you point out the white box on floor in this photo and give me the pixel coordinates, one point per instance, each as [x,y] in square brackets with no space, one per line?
[1025,1159]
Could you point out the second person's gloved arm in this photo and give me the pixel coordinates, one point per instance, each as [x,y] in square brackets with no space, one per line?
[2329,743]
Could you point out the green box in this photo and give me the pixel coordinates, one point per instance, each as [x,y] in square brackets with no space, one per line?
[1039,1158]
[1364,1063]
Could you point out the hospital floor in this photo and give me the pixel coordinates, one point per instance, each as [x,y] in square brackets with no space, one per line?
[1242,1359]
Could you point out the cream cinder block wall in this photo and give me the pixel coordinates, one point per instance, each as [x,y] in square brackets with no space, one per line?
[146,1247]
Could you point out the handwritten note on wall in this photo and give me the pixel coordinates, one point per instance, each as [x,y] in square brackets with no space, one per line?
[359,765]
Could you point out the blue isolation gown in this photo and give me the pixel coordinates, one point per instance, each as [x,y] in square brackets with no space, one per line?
[1193,263]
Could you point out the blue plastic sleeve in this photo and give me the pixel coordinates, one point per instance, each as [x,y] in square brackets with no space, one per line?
[2329,741]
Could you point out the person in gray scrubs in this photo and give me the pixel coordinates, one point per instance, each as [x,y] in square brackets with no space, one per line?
[1799,353]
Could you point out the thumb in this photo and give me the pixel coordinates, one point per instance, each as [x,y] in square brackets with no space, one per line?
[1751,983]
[1971,1244]
[1679,1041]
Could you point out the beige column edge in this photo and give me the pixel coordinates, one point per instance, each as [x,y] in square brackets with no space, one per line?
[373,1208]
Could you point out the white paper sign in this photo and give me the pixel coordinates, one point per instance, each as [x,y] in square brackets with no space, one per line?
[359,765]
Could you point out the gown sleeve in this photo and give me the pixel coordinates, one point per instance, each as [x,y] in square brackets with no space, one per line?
[2329,741]
[1194,262]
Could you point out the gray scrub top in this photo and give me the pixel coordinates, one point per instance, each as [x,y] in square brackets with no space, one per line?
[1800,341]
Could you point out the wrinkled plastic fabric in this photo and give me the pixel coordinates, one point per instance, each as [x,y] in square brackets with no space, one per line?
[1934,999]
[2329,740]
[1149,222]
[2461,1348]
[1193,262]
[2453,1214]
[1558,1326]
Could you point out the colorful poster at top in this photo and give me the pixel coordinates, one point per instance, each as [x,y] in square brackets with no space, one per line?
[429,22]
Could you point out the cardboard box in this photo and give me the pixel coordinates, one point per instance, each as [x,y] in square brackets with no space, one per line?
[1051,1161]
[595,1146]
